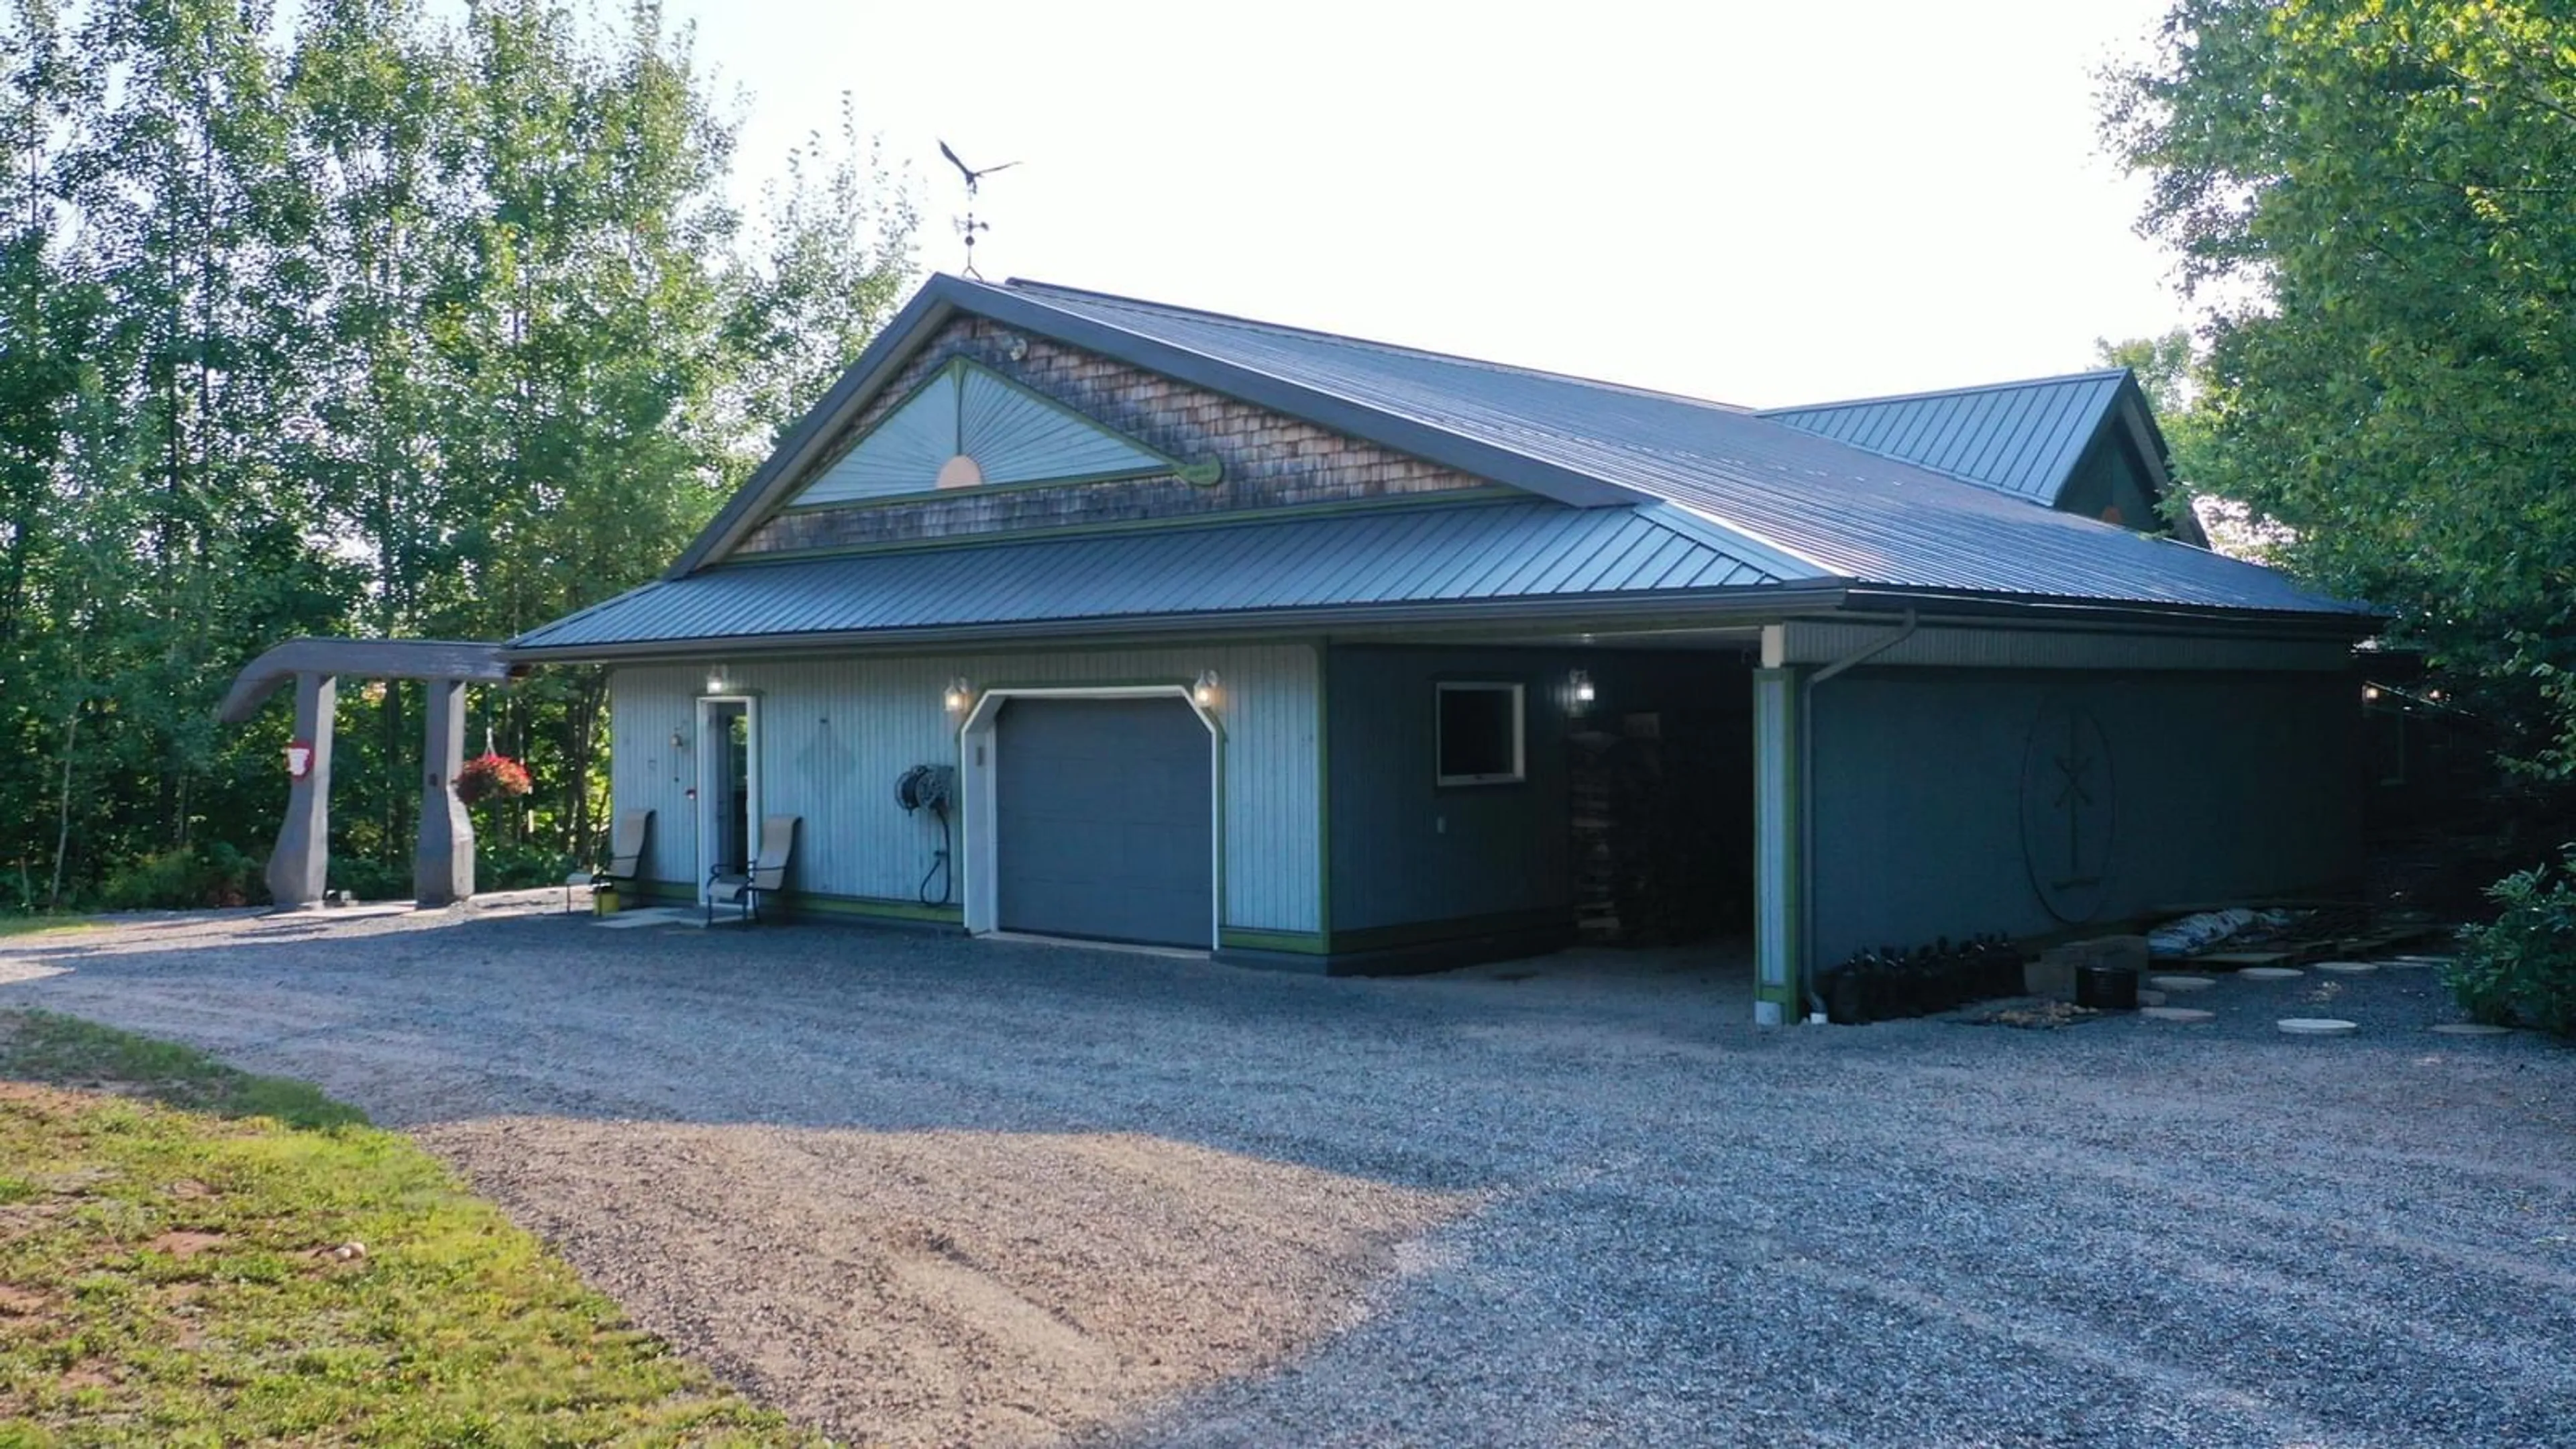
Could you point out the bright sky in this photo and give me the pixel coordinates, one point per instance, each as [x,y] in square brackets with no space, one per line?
[1760,203]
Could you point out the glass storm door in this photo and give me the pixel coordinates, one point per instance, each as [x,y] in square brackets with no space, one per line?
[728,786]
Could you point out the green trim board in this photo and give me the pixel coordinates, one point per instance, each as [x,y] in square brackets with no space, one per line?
[1298,943]
[821,904]
[1422,933]
[967,426]
[1217,518]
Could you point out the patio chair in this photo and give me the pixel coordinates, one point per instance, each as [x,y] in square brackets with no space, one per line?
[625,854]
[737,886]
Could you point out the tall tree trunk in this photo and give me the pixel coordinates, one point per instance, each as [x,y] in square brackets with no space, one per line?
[63,811]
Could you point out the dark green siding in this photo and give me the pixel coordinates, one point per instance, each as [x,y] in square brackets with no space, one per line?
[1406,850]
[2222,787]
[1505,851]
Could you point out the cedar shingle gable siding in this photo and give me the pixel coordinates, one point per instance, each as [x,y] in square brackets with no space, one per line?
[1269,461]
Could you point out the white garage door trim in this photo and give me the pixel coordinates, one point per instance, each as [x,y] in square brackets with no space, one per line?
[979,865]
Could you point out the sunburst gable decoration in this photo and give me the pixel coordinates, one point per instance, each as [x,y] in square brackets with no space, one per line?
[970,427]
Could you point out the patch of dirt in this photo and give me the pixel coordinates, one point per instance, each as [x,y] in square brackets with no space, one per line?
[46,1103]
[93,1374]
[951,1287]
[184,1242]
[16,1302]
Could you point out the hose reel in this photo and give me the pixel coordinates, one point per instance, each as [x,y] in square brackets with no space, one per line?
[931,788]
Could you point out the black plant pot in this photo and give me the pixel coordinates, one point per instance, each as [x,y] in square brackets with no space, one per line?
[2106,988]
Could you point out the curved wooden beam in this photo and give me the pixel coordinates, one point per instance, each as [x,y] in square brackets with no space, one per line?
[363,659]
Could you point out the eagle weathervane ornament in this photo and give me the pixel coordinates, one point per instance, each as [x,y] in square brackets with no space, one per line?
[970,226]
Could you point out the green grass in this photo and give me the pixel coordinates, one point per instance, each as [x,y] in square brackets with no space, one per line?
[168,1276]
[44,925]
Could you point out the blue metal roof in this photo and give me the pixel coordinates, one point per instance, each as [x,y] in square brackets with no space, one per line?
[1433,555]
[2022,438]
[1637,493]
[1843,510]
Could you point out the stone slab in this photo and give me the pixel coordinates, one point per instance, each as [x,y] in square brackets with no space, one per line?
[2270,973]
[2182,983]
[2184,1014]
[2317,1026]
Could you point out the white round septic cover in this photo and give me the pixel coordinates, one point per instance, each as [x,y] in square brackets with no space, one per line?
[2177,1013]
[2472,1028]
[2318,1026]
[2271,973]
[2347,968]
[2182,983]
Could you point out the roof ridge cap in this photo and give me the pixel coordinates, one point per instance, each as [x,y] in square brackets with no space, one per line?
[2098,374]
[1038,290]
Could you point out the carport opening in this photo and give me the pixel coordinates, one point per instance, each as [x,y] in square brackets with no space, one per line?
[1659,799]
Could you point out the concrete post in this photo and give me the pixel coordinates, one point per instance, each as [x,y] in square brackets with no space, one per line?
[303,855]
[442,868]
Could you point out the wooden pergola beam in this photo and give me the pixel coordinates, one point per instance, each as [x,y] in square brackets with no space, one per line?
[466,660]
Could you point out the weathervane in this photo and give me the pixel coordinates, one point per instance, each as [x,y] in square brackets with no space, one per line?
[970,225]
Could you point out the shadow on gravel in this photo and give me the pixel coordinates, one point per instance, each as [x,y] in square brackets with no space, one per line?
[1623,1214]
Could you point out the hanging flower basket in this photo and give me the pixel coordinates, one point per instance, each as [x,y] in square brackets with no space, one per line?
[491,777]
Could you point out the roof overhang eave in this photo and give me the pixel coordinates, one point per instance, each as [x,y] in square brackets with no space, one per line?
[1969,603]
[1753,603]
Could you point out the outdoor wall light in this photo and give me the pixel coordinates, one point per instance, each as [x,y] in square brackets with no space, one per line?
[1204,691]
[679,741]
[1582,683]
[960,694]
[715,683]
[2370,691]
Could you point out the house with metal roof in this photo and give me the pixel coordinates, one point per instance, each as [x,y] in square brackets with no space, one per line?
[1314,651]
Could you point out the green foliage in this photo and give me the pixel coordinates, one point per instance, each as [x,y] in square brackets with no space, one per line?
[2374,195]
[185,1227]
[503,866]
[349,317]
[184,879]
[2520,968]
[368,879]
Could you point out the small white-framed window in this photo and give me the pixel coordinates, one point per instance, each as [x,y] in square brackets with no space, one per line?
[1483,733]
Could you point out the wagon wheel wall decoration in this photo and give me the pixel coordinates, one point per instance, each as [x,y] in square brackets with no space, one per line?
[2069,811]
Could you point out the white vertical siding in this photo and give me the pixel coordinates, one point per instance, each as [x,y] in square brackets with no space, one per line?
[836,733]
[647,707]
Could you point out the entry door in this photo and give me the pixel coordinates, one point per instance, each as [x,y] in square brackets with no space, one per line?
[1104,821]
[728,785]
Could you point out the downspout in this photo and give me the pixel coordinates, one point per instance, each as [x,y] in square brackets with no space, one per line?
[1807,797]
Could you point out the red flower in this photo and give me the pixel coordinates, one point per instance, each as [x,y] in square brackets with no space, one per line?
[491,777]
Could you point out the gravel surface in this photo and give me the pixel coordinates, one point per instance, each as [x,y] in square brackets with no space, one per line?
[921,1190]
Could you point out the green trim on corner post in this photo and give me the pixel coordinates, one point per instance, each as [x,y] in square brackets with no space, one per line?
[1778,810]
[1324,791]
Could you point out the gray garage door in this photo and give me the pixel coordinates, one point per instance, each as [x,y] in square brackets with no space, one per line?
[1104,820]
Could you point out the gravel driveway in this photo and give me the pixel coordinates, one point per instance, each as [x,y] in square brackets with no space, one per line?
[920,1190]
